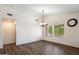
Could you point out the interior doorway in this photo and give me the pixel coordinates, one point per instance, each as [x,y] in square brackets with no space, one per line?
[9,35]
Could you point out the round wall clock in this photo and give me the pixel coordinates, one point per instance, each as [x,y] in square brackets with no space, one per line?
[72,22]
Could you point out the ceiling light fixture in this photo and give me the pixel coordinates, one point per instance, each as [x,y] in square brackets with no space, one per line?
[43,19]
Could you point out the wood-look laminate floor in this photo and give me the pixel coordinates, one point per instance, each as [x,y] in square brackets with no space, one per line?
[40,48]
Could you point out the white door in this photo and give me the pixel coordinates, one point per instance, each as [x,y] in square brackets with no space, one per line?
[9,32]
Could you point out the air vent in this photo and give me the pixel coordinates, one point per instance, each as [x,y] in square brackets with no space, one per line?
[9,14]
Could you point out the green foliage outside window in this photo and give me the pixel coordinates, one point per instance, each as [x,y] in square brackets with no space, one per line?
[59,30]
[50,29]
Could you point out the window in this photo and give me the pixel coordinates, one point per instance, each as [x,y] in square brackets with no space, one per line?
[59,30]
[49,30]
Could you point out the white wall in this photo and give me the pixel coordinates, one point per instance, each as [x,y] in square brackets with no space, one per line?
[1,39]
[71,34]
[27,29]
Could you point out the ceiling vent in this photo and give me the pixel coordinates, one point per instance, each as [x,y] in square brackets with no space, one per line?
[9,14]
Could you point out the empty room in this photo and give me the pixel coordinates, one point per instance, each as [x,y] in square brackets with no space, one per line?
[39,29]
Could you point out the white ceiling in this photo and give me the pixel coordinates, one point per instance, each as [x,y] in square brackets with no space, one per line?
[54,8]
[49,8]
